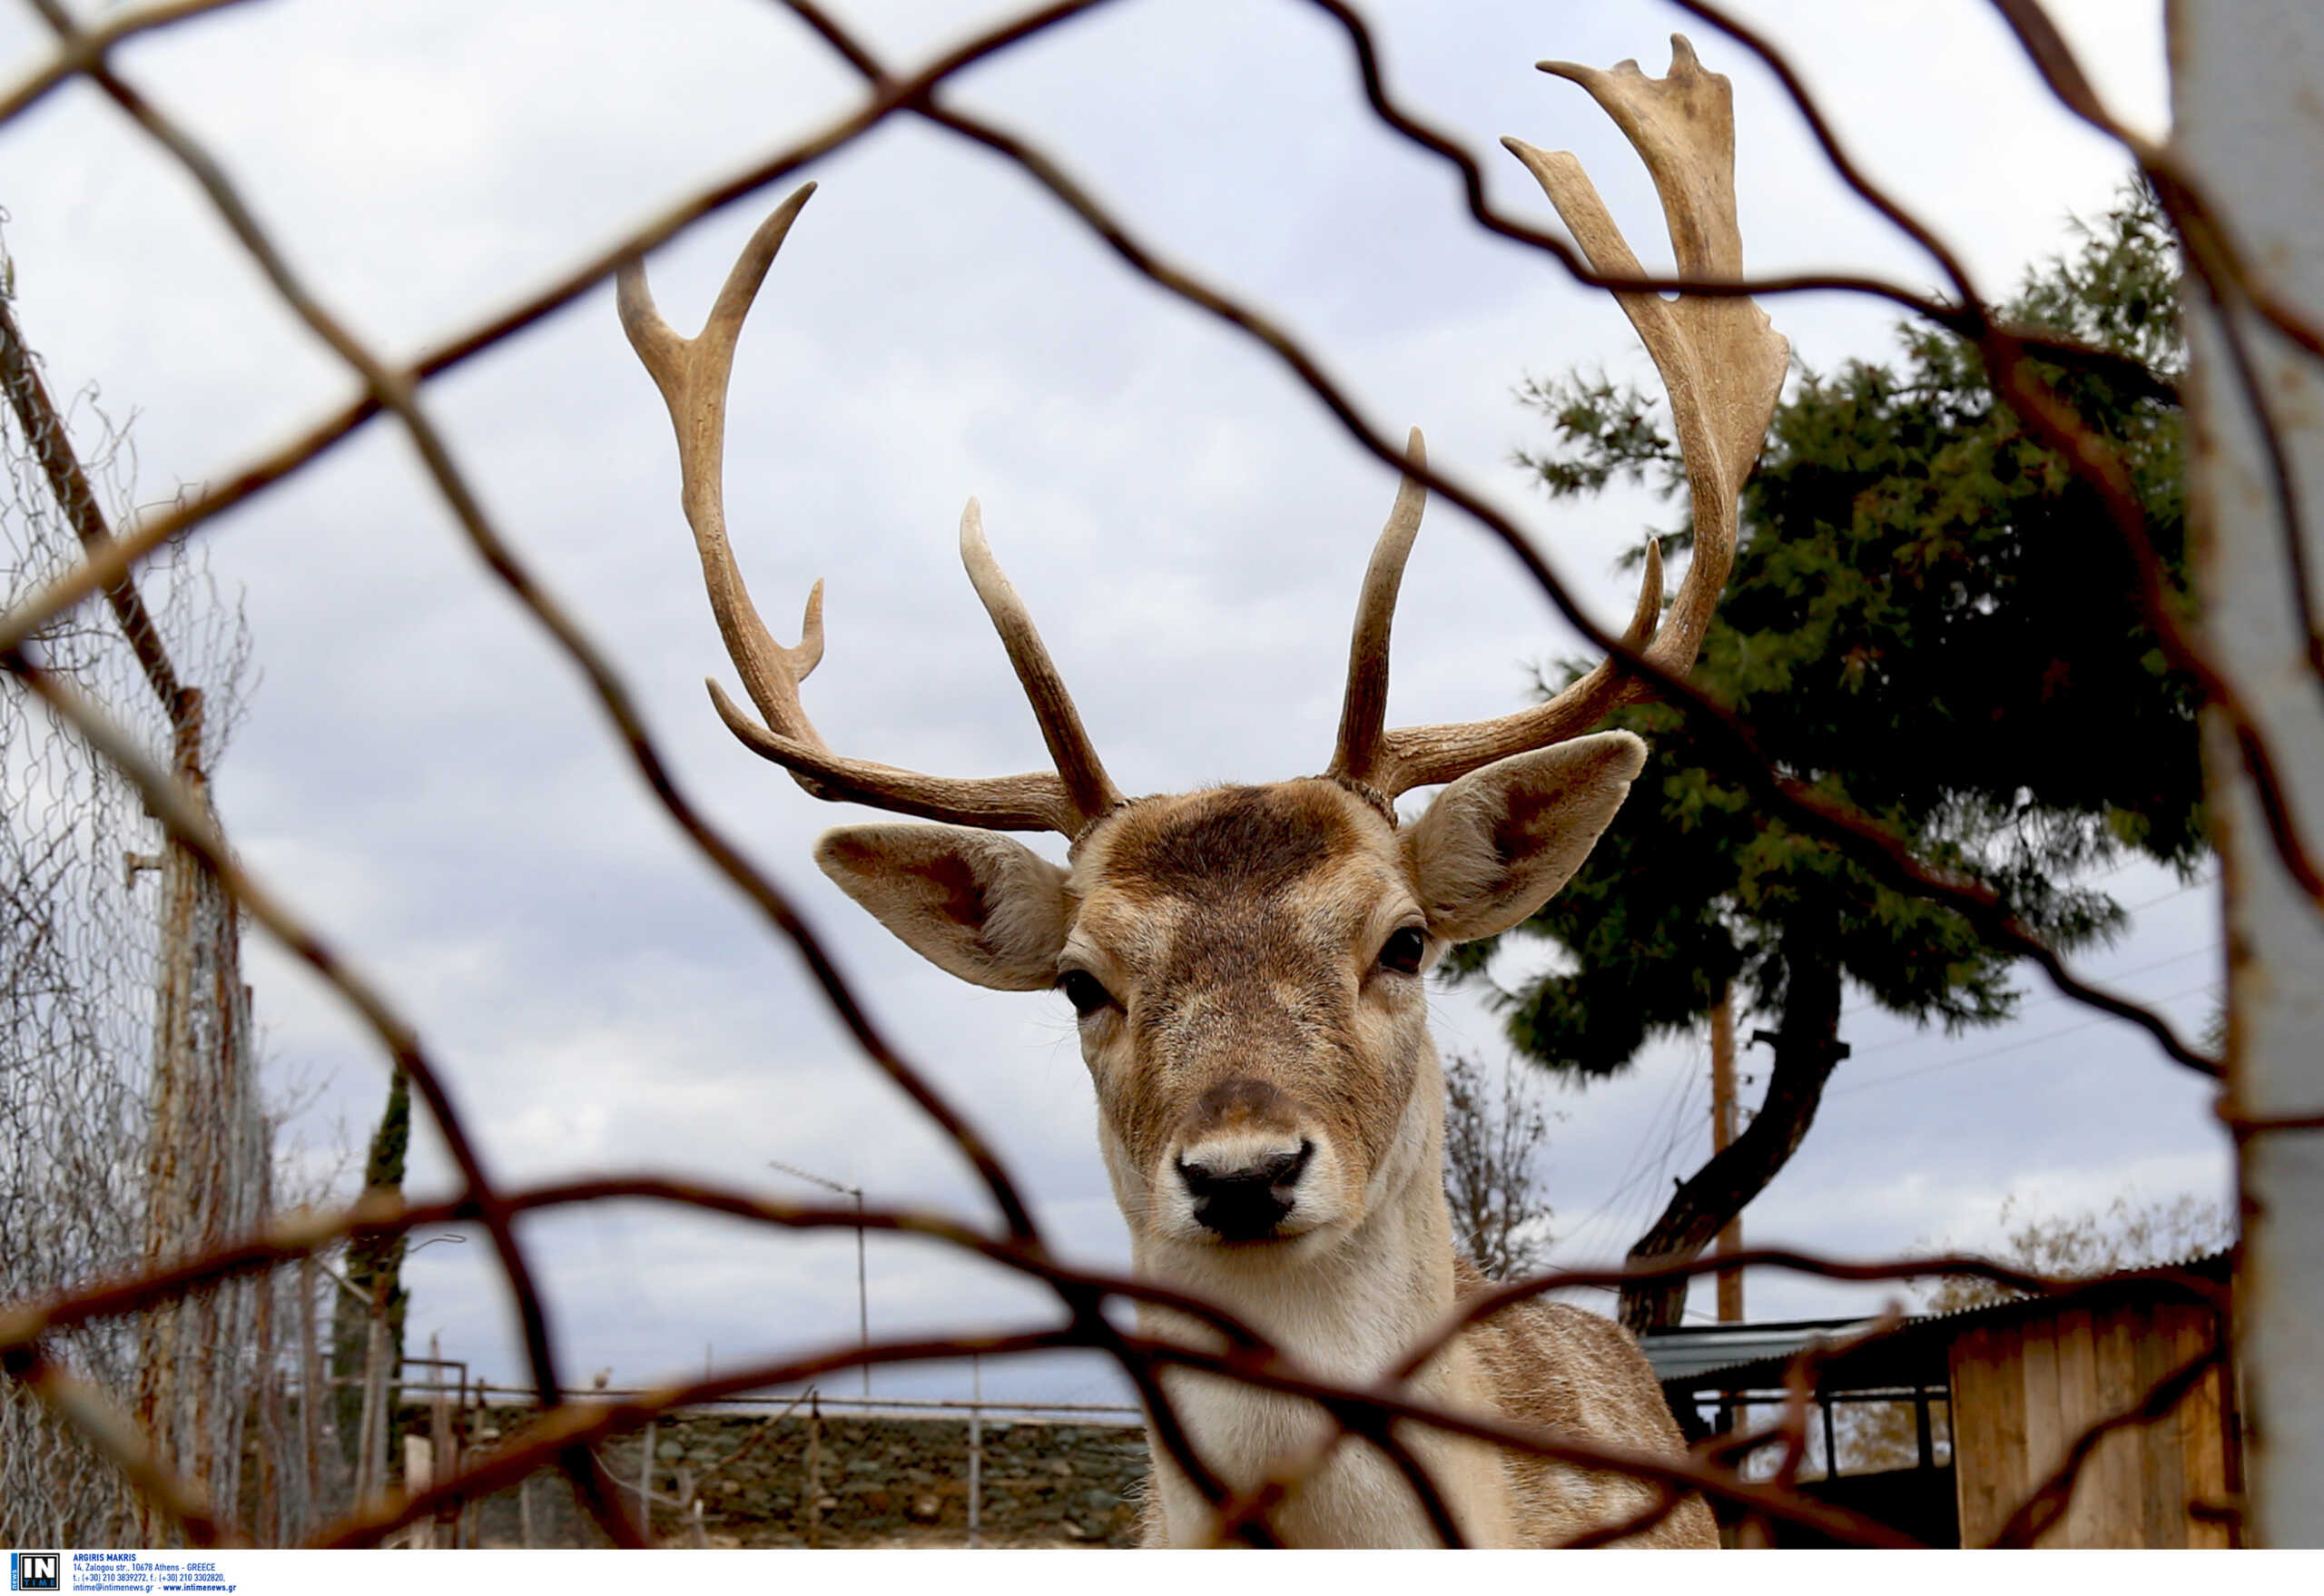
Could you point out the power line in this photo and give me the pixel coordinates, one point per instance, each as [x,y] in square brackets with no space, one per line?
[1646,1194]
[2208,881]
[2049,997]
[1633,1169]
[1862,1086]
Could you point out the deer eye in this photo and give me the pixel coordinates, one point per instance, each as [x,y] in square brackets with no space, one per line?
[1404,950]
[1084,991]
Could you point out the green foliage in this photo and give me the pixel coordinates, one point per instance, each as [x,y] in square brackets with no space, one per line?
[1930,619]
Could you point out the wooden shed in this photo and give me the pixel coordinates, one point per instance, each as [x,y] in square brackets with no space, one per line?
[2000,1394]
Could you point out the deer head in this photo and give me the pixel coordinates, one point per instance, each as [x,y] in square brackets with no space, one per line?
[1246,963]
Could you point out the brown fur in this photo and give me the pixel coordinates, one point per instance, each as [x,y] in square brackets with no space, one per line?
[1232,917]
[1227,843]
[1565,1368]
[1238,935]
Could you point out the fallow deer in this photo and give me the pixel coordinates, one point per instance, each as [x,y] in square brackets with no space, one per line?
[1246,961]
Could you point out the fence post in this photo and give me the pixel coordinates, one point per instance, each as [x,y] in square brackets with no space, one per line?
[443,1452]
[814,1470]
[189,1379]
[976,1447]
[645,1483]
[376,1424]
[206,1176]
[2245,123]
[313,1396]
[468,1421]
[418,1473]
[270,1519]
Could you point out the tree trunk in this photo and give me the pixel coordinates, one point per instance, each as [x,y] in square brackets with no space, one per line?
[1806,1046]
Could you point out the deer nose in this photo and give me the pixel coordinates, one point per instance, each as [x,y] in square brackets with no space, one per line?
[1246,1201]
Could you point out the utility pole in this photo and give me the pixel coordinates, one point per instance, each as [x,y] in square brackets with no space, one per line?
[1723,1133]
[862,1297]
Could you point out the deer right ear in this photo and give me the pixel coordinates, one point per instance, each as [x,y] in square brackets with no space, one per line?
[989,910]
[1500,841]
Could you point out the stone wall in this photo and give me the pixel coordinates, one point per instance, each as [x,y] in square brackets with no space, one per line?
[851,1481]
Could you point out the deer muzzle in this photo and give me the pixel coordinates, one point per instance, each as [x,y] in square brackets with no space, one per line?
[1243,1166]
[1244,1199]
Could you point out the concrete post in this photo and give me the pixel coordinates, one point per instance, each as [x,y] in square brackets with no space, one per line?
[2244,75]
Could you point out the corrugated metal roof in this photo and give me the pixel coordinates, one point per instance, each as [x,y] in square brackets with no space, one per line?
[1754,1356]
[2216,1262]
[1679,1354]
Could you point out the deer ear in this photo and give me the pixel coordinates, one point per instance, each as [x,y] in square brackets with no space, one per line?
[1500,841]
[987,909]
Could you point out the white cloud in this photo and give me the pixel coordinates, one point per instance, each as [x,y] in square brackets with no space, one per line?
[427,777]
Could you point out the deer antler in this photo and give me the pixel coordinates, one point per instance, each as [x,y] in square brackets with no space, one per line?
[1721,364]
[692,374]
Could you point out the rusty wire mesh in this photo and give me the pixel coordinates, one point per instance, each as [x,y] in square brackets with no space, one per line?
[41,1336]
[81,946]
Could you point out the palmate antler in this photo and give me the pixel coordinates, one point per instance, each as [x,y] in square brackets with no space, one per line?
[692,374]
[1722,366]
[1719,361]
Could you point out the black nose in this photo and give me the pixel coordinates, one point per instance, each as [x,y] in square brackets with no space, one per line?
[1246,1204]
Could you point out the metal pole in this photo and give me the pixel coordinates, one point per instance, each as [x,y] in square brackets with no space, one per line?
[976,1446]
[2246,127]
[863,1292]
[45,429]
[814,1470]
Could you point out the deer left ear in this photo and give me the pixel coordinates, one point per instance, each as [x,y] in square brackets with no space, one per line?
[982,905]
[1500,841]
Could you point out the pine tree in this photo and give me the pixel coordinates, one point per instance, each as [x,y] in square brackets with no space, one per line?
[1930,618]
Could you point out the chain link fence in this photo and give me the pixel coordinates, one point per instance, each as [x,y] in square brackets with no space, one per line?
[131,1130]
[62,1340]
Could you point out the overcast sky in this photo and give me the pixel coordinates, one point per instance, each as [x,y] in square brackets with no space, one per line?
[423,775]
